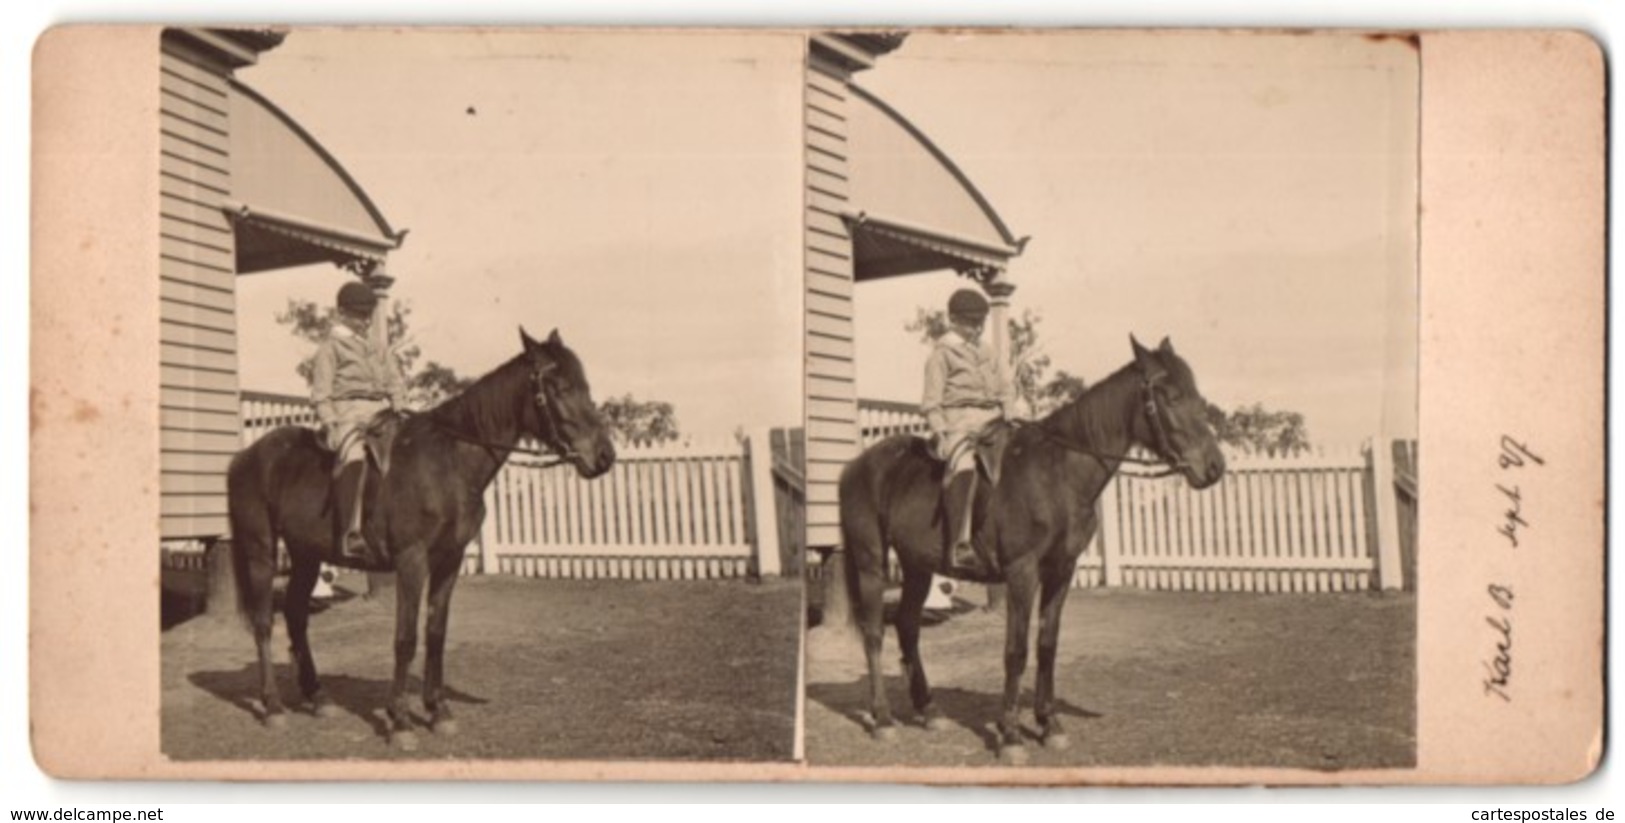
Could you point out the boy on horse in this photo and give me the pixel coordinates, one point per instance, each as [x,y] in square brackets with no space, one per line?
[352,382]
[966,390]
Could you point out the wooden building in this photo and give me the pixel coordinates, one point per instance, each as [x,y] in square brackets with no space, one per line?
[244,189]
[882,201]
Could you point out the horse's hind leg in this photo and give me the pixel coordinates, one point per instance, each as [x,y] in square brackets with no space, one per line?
[258,566]
[442,581]
[869,609]
[916,587]
[1052,601]
[297,612]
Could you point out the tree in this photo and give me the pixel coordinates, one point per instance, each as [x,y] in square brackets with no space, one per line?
[640,422]
[1029,361]
[1257,430]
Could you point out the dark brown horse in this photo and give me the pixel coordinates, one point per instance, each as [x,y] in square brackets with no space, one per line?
[428,507]
[1036,523]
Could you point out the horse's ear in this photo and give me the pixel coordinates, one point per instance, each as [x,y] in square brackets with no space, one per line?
[1150,369]
[525,338]
[1166,347]
[554,339]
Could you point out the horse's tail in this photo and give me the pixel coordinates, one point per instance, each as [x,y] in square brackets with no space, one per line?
[863,537]
[253,539]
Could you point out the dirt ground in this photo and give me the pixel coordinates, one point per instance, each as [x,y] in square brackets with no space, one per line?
[1314,681]
[609,670]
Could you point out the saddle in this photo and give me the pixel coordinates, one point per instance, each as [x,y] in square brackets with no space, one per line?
[379,434]
[989,444]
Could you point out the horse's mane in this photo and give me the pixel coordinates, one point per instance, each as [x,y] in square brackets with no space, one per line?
[487,409]
[1096,415]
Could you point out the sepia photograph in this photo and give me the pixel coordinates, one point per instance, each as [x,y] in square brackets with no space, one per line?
[967,407]
[1112,399]
[479,395]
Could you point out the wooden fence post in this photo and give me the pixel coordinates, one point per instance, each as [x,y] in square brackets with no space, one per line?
[489,564]
[764,504]
[1111,535]
[1380,462]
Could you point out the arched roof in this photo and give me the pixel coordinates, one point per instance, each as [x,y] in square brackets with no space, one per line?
[292,201]
[913,209]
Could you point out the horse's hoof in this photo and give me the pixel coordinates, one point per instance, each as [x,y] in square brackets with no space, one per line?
[404,740]
[1015,755]
[444,728]
[276,722]
[1057,742]
[936,723]
[885,734]
[325,710]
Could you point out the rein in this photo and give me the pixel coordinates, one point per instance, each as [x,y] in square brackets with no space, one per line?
[1153,417]
[544,404]
[511,449]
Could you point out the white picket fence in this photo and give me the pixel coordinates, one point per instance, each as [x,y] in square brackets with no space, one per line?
[662,512]
[1273,524]
[1302,523]
[680,510]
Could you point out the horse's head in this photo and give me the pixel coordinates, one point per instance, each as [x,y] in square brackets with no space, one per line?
[1173,419]
[566,418]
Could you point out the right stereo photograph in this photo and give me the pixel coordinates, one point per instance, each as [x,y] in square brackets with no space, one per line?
[1111,374]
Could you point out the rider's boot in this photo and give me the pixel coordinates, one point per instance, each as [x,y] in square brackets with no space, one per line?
[961,557]
[347,508]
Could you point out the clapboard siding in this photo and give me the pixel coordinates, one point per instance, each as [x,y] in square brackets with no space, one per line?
[203,317]
[195,214]
[204,174]
[179,398]
[211,79]
[185,271]
[182,247]
[200,156]
[185,335]
[198,463]
[210,506]
[831,367]
[200,442]
[195,358]
[830,326]
[200,420]
[173,527]
[821,222]
[200,424]
[180,291]
[832,411]
[830,370]
[184,483]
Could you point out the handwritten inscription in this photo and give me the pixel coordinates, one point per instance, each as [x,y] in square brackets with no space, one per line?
[1498,669]
[1515,455]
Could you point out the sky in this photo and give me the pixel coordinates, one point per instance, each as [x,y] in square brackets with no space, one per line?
[640,195]
[1252,197]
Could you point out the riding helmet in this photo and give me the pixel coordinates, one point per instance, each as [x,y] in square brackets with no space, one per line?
[969,304]
[356,297]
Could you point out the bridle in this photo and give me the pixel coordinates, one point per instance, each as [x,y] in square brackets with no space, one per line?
[1159,434]
[558,453]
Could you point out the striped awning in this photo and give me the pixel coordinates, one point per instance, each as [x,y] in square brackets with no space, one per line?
[291,201]
[911,208]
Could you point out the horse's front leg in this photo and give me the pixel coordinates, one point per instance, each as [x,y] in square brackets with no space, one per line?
[297,612]
[409,579]
[1022,584]
[916,587]
[1056,584]
[443,579]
